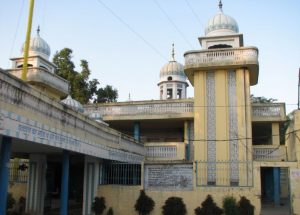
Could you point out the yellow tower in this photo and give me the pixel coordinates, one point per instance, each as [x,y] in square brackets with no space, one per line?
[222,73]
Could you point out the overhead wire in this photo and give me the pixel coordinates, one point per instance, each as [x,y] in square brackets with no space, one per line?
[16,31]
[132,30]
[172,23]
[194,13]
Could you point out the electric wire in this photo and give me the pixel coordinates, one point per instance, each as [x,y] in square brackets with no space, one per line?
[194,13]
[132,30]
[16,31]
[172,23]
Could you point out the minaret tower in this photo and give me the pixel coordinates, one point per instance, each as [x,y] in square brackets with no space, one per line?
[173,81]
[222,73]
[41,72]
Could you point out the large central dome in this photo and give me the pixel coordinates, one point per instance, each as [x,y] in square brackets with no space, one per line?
[221,24]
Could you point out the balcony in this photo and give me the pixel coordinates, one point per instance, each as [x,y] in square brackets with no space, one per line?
[268,112]
[269,153]
[42,77]
[162,151]
[245,57]
[154,109]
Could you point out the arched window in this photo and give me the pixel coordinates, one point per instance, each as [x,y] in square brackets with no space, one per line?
[220,46]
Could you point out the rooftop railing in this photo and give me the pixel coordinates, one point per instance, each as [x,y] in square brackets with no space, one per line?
[268,112]
[144,109]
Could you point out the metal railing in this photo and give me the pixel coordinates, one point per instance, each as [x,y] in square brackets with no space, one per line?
[120,173]
[224,173]
[18,171]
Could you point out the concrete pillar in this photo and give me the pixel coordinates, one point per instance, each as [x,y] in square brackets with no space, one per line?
[91,179]
[137,131]
[36,184]
[64,194]
[4,172]
[187,138]
[275,134]
[276,177]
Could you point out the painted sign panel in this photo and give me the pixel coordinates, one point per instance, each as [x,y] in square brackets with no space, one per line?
[169,177]
[20,127]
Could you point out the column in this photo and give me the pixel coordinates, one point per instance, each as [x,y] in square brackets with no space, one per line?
[275,134]
[137,131]
[36,184]
[64,183]
[4,172]
[276,177]
[90,184]
[187,139]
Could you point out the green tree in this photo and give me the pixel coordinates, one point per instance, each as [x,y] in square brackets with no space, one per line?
[107,94]
[261,99]
[144,204]
[81,88]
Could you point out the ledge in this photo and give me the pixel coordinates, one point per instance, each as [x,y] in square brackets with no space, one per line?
[232,58]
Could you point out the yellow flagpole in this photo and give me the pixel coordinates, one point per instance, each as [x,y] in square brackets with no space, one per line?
[27,41]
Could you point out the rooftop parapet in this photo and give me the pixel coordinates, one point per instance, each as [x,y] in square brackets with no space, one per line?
[206,60]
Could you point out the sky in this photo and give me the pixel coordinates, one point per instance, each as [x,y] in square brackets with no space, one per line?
[127,42]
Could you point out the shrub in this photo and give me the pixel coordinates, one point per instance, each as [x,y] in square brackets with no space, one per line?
[230,206]
[22,204]
[110,211]
[209,207]
[10,201]
[98,205]
[245,207]
[144,204]
[174,206]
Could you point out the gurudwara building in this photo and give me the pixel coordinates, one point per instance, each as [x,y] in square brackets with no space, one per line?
[218,143]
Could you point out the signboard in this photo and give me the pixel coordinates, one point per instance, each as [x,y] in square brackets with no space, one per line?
[20,127]
[168,177]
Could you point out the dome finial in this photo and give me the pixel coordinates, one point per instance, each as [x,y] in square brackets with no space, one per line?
[38,30]
[221,5]
[173,52]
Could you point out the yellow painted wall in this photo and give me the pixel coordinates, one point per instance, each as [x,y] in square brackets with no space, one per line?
[123,198]
[17,190]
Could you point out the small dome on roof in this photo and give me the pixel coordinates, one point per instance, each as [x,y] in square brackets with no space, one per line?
[221,24]
[38,46]
[172,68]
[72,103]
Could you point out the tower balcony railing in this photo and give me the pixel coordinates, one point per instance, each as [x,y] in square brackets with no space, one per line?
[268,112]
[230,58]
[181,108]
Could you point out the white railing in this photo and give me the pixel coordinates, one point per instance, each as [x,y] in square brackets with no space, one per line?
[165,151]
[232,56]
[266,110]
[140,108]
[161,151]
[269,153]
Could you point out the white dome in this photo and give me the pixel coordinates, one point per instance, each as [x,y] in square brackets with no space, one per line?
[72,103]
[172,68]
[38,46]
[221,24]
